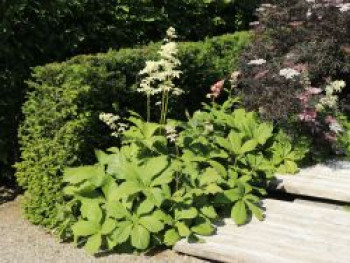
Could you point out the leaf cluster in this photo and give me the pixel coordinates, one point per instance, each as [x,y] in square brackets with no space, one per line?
[151,192]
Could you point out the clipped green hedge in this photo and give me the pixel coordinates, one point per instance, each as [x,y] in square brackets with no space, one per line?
[61,123]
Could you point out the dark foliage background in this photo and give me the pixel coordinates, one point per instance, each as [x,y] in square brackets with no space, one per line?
[287,37]
[303,36]
[34,32]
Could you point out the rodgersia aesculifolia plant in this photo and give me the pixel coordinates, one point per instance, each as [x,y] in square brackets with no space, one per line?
[169,179]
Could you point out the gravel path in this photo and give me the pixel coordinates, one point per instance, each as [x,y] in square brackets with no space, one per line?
[21,242]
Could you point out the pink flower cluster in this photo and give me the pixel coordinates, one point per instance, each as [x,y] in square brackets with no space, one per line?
[216,89]
[309,113]
[306,96]
[328,125]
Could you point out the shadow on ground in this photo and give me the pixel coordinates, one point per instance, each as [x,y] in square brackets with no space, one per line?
[8,193]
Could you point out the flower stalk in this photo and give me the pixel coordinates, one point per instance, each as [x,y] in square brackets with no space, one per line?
[158,76]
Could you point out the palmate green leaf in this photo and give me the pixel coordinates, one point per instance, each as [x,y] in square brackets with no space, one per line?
[189,156]
[280,151]
[154,141]
[140,237]
[254,160]
[171,237]
[249,124]
[221,199]
[151,223]
[163,217]
[188,213]
[115,162]
[253,198]
[80,174]
[153,167]
[235,140]
[263,133]
[116,210]
[157,196]
[102,157]
[183,229]
[85,189]
[219,168]
[120,234]
[248,146]
[93,243]
[113,150]
[69,190]
[288,167]
[90,209]
[224,143]
[244,121]
[108,226]
[209,176]
[85,228]
[293,156]
[99,179]
[247,187]
[233,194]
[166,191]
[204,228]
[133,134]
[164,178]
[217,153]
[213,189]
[109,188]
[127,188]
[145,207]
[259,163]
[239,213]
[129,171]
[257,212]
[149,129]
[209,211]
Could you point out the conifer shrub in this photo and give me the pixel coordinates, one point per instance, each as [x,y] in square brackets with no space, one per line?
[61,125]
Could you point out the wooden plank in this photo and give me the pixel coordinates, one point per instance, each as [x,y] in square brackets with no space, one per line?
[328,181]
[291,232]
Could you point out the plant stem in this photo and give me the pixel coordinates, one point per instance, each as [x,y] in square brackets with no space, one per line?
[166,106]
[148,107]
[163,114]
[177,179]
[162,109]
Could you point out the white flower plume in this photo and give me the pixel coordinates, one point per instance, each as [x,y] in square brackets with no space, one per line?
[159,75]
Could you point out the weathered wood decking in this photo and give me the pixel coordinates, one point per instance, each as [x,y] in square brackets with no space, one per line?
[328,181]
[297,232]
[292,232]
